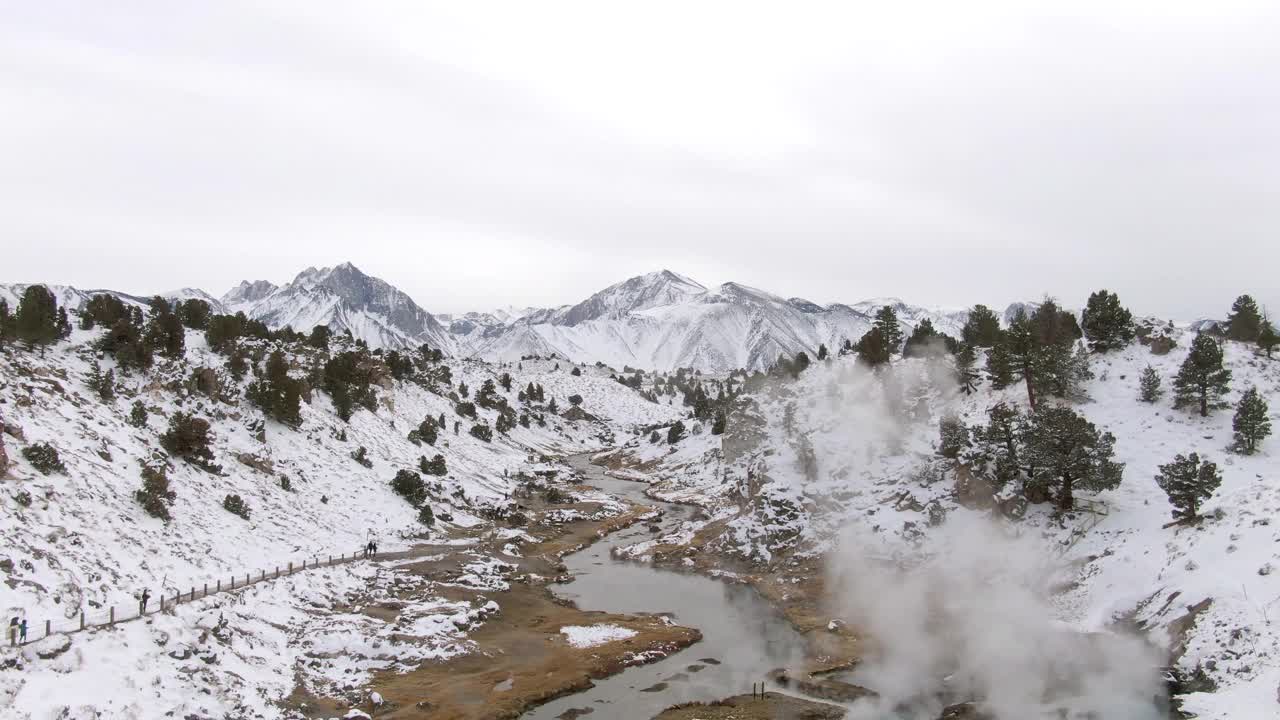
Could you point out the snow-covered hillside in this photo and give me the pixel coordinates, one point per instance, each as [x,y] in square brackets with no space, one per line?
[78,541]
[664,321]
[808,463]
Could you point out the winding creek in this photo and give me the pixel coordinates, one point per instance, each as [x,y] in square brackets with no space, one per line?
[743,638]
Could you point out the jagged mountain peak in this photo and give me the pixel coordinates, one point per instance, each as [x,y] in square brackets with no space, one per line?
[642,292]
[248,292]
[343,298]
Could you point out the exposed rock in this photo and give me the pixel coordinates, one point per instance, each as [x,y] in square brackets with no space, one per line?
[261,464]
[205,381]
[14,431]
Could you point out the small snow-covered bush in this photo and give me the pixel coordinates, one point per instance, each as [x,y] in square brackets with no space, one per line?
[44,457]
[236,505]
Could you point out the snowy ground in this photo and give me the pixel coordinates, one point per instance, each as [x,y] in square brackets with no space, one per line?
[79,541]
[868,472]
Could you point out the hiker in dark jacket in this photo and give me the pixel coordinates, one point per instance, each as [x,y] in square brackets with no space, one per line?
[22,630]
[142,602]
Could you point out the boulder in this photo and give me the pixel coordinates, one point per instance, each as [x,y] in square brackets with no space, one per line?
[205,381]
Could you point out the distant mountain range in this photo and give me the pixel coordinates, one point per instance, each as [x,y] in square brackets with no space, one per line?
[661,320]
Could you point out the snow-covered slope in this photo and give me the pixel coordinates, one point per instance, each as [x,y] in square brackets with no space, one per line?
[78,540]
[664,321]
[344,299]
[804,464]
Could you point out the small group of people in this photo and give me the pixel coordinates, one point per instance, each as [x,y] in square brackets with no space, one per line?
[371,548]
[18,629]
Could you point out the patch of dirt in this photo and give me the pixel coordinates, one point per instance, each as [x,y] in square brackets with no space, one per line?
[746,707]
[521,658]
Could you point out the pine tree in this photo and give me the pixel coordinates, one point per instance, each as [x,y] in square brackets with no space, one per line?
[36,322]
[1149,385]
[1067,452]
[138,414]
[1267,337]
[155,495]
[63,325]
[104,384]
[1245,322]
[434,466]
[873,349]
[1107,323]
[924,341]
[1251,423]
[800,364]
[278,395]
[966,376]
[1188,481]
[165,333]
[822,351]
[982,329]
[998,446]
[505,381]
[675,433]
[408,485]
[426,431]
[189,438]
[953,437]
[6,323]
[718,426]
[1000,364]
[482,431]
[891,333]
[1202,379]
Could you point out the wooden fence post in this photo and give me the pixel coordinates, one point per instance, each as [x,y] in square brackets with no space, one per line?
[304,563]
[290,568]
[206,589]
[216,589]
[48,624]
[112,617]
[277,571]
[246,579]
[81,619]
[193,593]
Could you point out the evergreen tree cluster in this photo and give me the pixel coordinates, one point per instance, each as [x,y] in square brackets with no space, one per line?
[1107,324]
[278,395]
[38,321]
[1037,350]
[1050,453]
[190,438]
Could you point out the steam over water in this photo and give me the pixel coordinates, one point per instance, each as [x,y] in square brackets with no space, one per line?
[967,615]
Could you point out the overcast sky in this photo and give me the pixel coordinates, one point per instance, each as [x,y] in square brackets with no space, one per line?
[479,154]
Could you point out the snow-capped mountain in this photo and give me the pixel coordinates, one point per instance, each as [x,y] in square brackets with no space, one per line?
[67,296]
[664,320]
[247,293]
[344,299]
[658,321]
